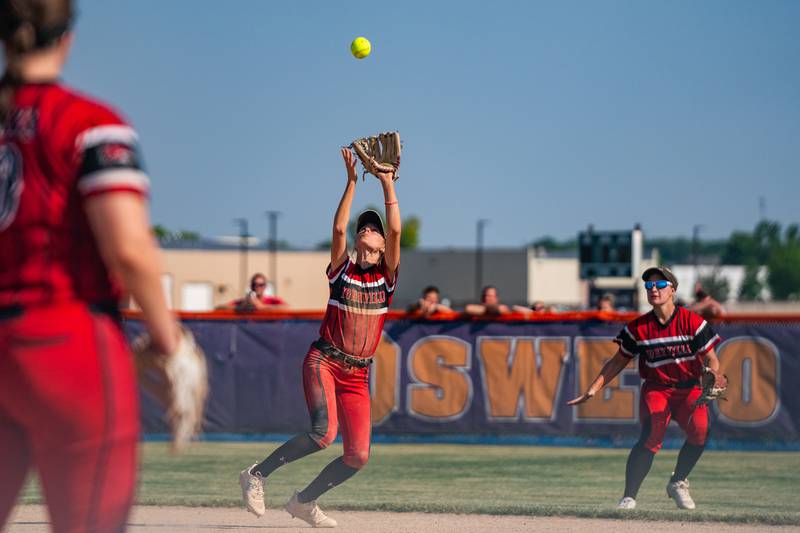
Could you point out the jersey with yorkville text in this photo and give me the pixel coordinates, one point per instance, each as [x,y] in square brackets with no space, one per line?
[58,148]
[357,307]
[669,353]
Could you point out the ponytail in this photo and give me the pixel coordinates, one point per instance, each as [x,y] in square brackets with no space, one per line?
[21,41]
[26,26]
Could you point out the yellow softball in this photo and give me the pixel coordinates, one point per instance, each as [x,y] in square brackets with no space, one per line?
[360,47]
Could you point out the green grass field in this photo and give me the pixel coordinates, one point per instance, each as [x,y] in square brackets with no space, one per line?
[727,486]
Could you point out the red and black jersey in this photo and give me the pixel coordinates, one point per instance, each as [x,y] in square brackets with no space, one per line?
[56,149]
[359,301]
[669,353]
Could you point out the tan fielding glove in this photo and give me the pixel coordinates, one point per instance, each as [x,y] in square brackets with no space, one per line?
[714,386]
[379,153]
[179,381]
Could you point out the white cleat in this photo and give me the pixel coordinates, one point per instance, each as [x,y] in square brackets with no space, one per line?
[309,512]
[253,491]
[627,503]
[679,491]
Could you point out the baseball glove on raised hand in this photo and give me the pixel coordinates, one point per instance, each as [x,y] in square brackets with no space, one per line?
[379,153]
[714,386]
[179,381]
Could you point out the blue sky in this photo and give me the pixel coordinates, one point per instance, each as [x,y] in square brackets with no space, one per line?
[542,117]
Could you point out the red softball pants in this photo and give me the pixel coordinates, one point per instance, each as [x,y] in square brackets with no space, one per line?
[68,408]
[337,396]
[657,407]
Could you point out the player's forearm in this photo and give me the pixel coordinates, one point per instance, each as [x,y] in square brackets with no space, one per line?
[393,222]
[712,361]
[475,309]
[141,275]
[610,370]
[257,303]
[342,216]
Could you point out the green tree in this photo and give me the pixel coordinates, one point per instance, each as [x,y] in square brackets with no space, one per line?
[164,234]
[793,235]
[675,250]
[552,245]
[409,238]
[715,285]
[185,235]
[784,272]
[741,248]
[161,232]
[751,288]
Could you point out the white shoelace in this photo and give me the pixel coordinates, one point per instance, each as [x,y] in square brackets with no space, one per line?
[257,485]
[316,513]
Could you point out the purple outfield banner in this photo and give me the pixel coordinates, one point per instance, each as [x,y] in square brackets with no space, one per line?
[497,378]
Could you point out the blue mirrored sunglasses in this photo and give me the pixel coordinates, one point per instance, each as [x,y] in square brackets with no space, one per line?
[660,284]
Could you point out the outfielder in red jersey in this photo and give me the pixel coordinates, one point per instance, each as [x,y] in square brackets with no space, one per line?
[673,345]
[73,231]
[336,368]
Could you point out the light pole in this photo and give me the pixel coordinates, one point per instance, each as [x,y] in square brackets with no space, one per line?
[244,233]
[273,247]
[481,224]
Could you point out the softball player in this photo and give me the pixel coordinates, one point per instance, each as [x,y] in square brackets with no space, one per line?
[673,345]
[336,368]
[73,226]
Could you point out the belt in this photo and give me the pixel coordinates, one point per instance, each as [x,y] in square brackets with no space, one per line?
[111,309]
[678,385]
[105,308]
[11,311]
[334,353]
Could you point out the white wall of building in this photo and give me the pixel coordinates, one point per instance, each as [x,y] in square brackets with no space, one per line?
[687,276]
[555,281]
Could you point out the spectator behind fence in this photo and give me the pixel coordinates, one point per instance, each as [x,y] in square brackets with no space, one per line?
[606,303]
[429,304]
[537,308]
[490,304]
[705,305]
[256,298]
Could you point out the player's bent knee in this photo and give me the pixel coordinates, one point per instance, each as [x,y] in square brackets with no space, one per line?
[654,447]
[356,460]
[323,439]
[697,440]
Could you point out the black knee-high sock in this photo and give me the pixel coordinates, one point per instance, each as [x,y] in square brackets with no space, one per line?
[639,462]
[299,446]
[336,473]
[687,458]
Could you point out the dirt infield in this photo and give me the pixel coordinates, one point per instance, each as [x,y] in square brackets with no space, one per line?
[33,519]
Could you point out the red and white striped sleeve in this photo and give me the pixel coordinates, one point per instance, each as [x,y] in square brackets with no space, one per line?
[108,156]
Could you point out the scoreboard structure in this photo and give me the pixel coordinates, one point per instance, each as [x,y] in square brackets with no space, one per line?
[610,263]
[609,254]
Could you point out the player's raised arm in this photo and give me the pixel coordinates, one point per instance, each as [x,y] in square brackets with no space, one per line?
[342,217]
[393,224]
[609,371]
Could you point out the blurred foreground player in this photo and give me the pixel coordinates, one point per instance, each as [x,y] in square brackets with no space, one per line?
[74,230]
[675,348]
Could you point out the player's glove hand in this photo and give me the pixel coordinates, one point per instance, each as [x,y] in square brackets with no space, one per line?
[179,381]
[713,385]
[379,153]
